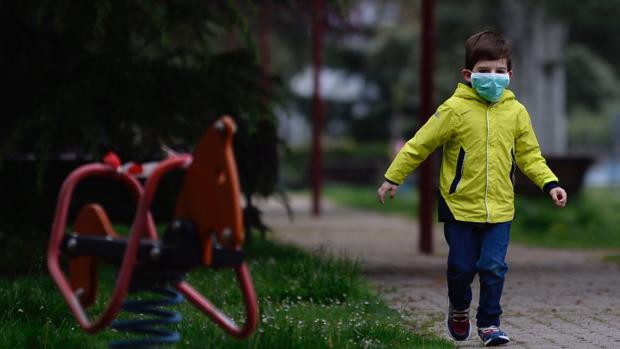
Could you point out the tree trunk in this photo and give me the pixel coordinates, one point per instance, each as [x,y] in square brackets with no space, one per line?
[539,79]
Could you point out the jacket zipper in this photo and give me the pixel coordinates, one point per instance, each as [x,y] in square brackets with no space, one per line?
[486,190]
[513,168]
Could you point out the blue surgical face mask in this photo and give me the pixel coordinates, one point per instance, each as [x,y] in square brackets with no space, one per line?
[490,86]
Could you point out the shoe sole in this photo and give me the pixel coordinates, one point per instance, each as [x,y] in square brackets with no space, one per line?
[450,333]
[497,341]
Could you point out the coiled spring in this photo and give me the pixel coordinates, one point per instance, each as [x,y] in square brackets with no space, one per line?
[153,327]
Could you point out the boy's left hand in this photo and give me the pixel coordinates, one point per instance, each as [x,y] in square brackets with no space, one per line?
[559,197]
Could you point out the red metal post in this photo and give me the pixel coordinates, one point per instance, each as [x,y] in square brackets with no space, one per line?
[426,181]
[318,108]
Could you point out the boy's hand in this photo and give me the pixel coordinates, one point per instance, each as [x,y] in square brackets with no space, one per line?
[384,188]
[559,197]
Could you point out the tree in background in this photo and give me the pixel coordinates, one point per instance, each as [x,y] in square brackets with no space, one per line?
[82,77]
[593,73]
[85,76]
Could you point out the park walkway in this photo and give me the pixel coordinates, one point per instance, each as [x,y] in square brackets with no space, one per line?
[552,298]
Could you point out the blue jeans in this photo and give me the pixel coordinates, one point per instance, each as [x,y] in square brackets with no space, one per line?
[477,248]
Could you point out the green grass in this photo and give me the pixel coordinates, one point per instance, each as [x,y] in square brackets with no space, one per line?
[364,197]
[590,220]
[306,301]
[613,258]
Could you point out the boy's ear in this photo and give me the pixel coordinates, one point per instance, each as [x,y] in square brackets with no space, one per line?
[467,74]
[510,74]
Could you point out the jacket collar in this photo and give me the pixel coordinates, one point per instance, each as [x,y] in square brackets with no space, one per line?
[467,92]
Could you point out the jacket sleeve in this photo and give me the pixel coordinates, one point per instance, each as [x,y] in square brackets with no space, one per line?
[527,153]
[435,132]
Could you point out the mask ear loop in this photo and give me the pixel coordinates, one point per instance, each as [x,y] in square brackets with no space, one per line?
[470,74]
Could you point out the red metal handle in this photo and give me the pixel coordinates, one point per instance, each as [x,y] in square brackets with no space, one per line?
[142,224]
[58,231]
[221,319]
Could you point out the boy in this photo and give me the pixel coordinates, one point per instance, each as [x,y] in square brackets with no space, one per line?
[485,133]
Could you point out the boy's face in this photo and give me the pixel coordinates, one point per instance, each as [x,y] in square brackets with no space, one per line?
[497,66]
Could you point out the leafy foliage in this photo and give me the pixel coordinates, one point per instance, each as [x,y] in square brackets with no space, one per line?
[597,79]
[88,76]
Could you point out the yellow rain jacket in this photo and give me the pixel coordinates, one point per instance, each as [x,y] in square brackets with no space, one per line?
[481,143]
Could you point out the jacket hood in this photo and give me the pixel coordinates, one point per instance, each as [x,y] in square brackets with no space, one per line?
[466,92]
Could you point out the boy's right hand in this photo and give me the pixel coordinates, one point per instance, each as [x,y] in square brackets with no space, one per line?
[384,188]
[559,197]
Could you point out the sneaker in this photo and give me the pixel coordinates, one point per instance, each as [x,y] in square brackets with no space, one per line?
[492,336]
[457,322]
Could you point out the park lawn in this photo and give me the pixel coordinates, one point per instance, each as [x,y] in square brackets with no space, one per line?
[365,197]
[306,301]
[614,258]
[590,220]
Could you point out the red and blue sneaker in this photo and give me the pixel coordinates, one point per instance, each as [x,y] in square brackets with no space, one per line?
[457,322]
[492,336]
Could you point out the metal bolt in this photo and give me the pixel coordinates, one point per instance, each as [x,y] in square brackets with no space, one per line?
[216,244]
[79,293]
[176,225]
[227,234]
[219,126]
[155,252]
[72,244]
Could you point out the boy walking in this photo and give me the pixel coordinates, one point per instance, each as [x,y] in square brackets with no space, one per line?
[485,133]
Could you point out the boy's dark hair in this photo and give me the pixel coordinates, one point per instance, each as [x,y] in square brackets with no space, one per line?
[487,44]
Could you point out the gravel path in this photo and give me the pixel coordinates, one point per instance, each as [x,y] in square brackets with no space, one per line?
[552,298]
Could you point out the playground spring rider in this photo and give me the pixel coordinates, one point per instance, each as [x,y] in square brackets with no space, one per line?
[207,230]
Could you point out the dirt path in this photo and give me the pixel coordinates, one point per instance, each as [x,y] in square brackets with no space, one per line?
[552,299]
